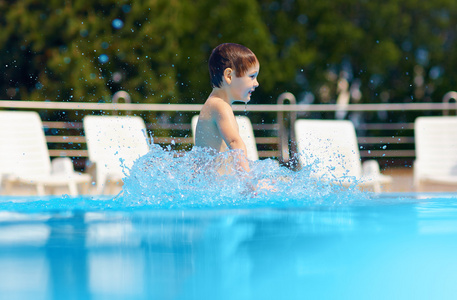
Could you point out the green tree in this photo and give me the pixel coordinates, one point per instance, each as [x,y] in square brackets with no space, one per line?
[86,52]
[208,24]
[157,50]
[386,45]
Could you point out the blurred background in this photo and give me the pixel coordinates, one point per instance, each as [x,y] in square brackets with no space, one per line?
[157,51]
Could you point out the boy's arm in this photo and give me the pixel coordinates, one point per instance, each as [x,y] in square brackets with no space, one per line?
[228,127]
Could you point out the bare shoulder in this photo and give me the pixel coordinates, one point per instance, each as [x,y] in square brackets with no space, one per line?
[216,103]
[215,106]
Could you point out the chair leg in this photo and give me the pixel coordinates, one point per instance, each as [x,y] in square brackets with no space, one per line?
[100,187]
[101,181]
[8,187]
[73,188]
[377,187]
[40,189]
[85,188]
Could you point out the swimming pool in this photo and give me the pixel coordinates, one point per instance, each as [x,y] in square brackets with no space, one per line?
[381,246]
[182,229]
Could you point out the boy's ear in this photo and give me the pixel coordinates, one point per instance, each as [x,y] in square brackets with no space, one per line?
[228,73]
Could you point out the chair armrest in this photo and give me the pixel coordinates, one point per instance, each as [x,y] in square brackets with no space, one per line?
[371,168]
[62,165]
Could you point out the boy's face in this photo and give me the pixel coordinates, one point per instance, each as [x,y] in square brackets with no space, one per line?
[242,87]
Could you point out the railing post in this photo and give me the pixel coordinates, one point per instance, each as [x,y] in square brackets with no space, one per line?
[122,95]
[447,99]
[286,133]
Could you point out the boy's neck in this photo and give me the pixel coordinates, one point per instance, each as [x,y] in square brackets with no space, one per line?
[222,94]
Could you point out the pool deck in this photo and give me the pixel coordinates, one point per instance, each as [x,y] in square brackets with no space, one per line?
[402,182]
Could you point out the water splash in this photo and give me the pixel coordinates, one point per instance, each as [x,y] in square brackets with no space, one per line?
[117,23]
[103,58]
[202,179]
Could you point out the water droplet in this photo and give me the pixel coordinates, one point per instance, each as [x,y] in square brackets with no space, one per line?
[126,8]
[103,58]
[117,77]
[117,23]
[84,32]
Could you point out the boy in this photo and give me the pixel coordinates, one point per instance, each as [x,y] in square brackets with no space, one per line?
[233,69]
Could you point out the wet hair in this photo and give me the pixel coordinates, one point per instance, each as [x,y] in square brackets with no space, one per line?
[229,55]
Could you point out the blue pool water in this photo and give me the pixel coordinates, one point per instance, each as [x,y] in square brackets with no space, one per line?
[174,234]
[395,246]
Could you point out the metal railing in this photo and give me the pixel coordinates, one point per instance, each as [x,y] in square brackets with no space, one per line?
[390,140]
[137,107]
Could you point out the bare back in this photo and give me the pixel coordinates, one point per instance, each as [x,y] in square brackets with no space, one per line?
[208,135]
[216,124]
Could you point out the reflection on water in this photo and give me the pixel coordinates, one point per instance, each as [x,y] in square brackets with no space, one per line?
[377,251]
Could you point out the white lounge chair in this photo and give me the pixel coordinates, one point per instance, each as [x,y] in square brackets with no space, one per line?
[114,143]
[246,133]
[436,150]
[24,156]
[330,149]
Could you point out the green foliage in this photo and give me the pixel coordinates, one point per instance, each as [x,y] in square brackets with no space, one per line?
[385,44]
[157,50]
[78,52]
